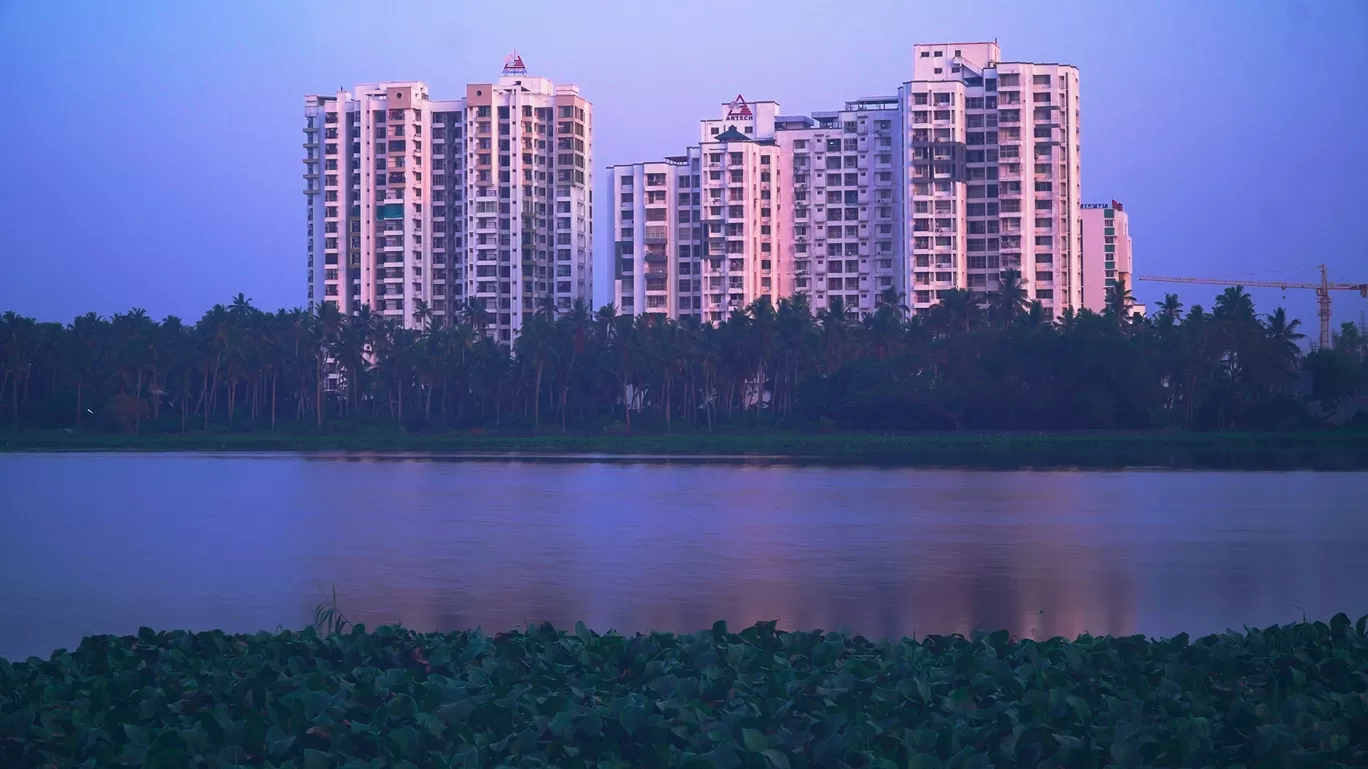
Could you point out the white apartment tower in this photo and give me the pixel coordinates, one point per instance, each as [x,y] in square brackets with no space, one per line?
[370,210]
[764,205]
[994,178]
[972,169]
[843,203]
[698,235]
[485,200]
[1106,251]
[653,206]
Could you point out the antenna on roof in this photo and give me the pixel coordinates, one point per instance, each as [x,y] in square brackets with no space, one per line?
[513,65]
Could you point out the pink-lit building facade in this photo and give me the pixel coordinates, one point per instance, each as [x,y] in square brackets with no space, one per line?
[971,168]
[1106,251]
[415,202]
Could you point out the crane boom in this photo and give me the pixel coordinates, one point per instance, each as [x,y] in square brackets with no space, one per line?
[1231,282]
[1322,289]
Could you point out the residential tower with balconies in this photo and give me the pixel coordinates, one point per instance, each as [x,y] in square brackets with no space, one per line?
[994,174]
[417,208]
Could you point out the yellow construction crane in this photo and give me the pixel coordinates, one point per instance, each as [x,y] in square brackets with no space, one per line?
[1322,289]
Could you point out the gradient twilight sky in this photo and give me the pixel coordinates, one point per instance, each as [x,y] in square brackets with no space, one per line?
[155,146]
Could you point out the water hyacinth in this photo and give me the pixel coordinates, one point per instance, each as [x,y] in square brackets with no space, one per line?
[1294,695]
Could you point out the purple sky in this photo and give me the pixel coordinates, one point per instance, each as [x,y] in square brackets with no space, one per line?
[154,147]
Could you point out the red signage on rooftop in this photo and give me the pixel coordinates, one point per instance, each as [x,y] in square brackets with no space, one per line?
[738,109]
[513,65]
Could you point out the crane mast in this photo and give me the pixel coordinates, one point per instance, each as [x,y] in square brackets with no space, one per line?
[1322,289]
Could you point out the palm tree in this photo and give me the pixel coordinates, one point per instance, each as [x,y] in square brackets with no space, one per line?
[213,330]
[1170,310]
[1119,301]
[793,334]
[942,367]
[897,300]
[833,335]
[956,310]
[536,347]
[20,335]
[574,328]
[477,316]
[1067,320]
[1010,300]
[422,314]
[1283,333]
[85,340]
[1236,304]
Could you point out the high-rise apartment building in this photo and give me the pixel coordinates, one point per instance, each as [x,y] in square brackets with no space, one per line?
[842,203]
[484,200]
[994,177]
[764,205]
[1106,251]
[652,208]
[971,169]
[698,235]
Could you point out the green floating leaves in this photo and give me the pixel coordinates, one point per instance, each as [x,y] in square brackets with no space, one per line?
[348,698]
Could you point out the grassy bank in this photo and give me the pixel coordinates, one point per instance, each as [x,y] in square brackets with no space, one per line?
[761,698]
[1321,450]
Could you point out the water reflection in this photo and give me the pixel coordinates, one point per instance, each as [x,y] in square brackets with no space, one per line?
[105,543]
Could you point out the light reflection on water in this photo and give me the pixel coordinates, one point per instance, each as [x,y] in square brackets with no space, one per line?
[104,543]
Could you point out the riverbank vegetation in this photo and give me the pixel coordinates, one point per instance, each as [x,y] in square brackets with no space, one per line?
[972,362]
[760,699]
[1320,450]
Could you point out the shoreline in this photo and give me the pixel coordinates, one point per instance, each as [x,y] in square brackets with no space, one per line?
[1321,450]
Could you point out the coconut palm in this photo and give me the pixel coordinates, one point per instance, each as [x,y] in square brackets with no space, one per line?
[1170,310]
[957,310]
[1282,332]
[1010,300]
[1119,302]
[247,369]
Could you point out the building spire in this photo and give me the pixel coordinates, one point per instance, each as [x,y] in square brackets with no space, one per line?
[513,65]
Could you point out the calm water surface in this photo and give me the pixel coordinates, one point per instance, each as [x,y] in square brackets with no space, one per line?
[105,543]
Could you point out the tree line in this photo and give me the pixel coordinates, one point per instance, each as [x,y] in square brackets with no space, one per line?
[973,361]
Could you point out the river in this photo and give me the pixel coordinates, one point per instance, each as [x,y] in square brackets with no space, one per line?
[105,543]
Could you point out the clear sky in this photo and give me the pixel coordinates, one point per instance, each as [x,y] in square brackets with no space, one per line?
[153,148]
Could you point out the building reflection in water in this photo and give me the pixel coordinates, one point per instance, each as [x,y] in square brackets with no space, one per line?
[250,543]
[884,553]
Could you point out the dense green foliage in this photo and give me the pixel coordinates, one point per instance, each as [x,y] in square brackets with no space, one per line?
[994,364]
[1293,696]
